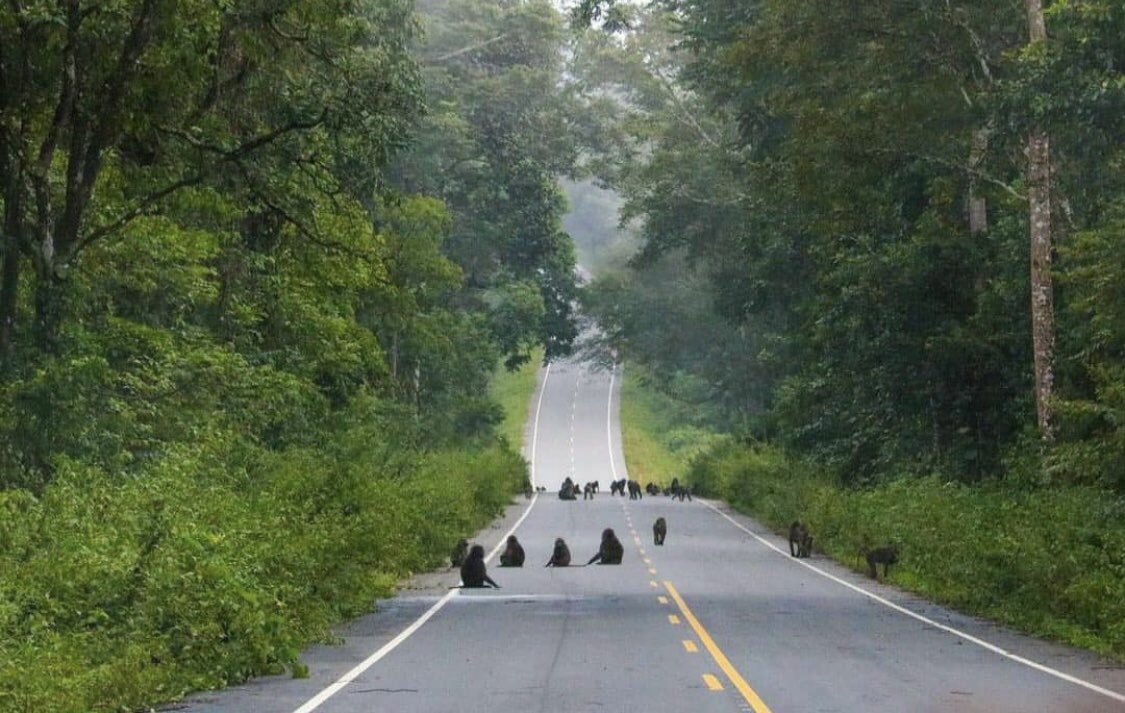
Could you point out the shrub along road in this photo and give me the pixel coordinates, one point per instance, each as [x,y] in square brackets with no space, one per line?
[718,619]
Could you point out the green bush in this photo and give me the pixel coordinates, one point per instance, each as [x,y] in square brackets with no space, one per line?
[217,563]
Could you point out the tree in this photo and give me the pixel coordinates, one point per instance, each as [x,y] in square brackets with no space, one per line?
[109,110]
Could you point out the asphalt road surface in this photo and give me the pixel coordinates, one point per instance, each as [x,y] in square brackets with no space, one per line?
[718,619]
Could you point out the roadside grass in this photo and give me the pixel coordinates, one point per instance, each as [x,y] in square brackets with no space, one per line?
[513,391]
[656,434]
[1047,561]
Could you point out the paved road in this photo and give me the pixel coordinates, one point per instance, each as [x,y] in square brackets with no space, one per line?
[716,620]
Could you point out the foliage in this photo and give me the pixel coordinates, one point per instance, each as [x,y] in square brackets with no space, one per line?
[246,332]
[809,168]
[497,137]
[660,436]
[220,561]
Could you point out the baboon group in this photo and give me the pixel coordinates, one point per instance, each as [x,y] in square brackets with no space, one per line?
[633,487]
[474,575]
[801,541]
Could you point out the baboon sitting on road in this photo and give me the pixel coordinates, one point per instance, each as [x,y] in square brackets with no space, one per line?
[512,556]
[611,550]
[560,557]
[473,572]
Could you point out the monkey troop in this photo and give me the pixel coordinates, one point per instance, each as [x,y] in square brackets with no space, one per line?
[512,556]
[800,541]
[659,531]
[611,550]
[473,572]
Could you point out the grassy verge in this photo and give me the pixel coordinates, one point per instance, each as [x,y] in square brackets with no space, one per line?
[513,390]
[220,561]
[656,434]
[1050,562]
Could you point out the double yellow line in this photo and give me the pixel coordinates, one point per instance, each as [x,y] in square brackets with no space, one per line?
[721,659]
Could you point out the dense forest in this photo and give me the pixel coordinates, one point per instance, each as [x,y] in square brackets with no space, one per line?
[881,248]
[839,212]
[260,261]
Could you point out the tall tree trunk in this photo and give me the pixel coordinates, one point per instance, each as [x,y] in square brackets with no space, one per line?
[978,204]
[1042,284]
[49,291]
[12,243]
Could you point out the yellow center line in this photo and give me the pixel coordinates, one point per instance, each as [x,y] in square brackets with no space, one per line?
[712,682]
[662,599]
[647,560]
[721,659]
[690,646]
[651,570]
[673,619]
[653,584]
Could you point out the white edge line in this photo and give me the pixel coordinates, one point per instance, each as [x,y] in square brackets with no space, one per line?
[609,421]
[949,629]
[334,688]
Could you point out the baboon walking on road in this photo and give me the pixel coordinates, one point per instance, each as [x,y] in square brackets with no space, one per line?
[659,531]
[885,556]
[800,541]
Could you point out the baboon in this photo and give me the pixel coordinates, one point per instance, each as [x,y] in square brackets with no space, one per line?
[512,556]
[681,492]
[568,491]
[617,487]
[527,489]
[473,573]
[659,531]
[652,489]
[560,557]
[674,487]
[800,541]
[459,552]
[588,492]
[635,490]
[597,488]
[540,488]
[885,556]
[611,550]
